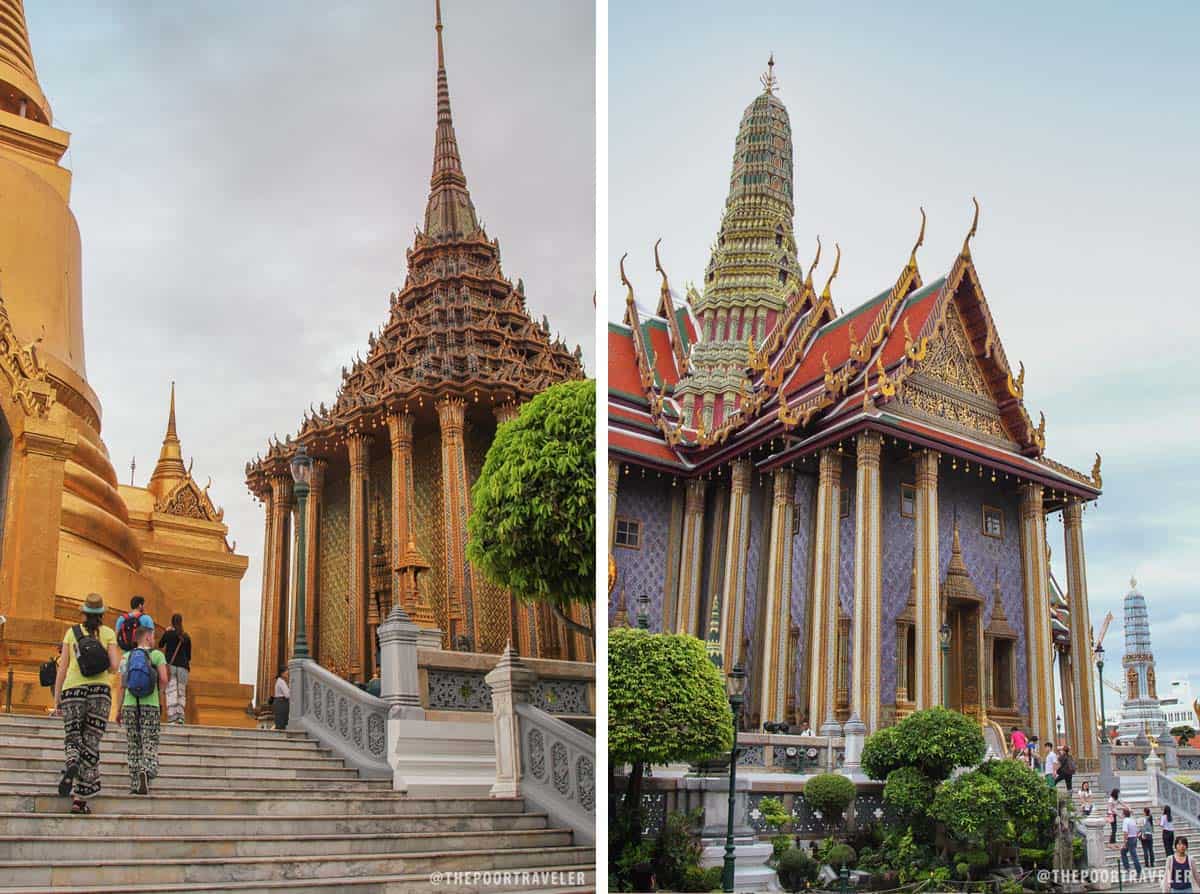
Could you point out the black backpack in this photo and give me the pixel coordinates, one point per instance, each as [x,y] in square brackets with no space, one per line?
[48,672]
[90,654]
[130,621]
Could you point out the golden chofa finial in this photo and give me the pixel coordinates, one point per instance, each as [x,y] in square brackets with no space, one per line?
[666,287]
[1096,479]
[1016,387]
[813,265]
[966,249]
[768,78]
[625,281]
[912,258]
[826,295]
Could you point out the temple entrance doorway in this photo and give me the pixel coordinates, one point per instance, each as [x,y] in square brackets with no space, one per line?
[962,681]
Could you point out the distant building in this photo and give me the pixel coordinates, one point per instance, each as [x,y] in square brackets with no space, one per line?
[1177,707]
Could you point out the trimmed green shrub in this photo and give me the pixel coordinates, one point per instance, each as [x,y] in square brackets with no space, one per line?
[703,880]
[1027,801]
[971,807]
[532,528]
[841,855]
[830,793]
[909,792]
[935,741]
[797,870]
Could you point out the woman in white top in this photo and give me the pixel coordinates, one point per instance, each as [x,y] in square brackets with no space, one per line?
[1085,798]
[281,703]
[1168,831]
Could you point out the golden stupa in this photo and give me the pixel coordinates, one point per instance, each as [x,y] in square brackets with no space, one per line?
[67,527]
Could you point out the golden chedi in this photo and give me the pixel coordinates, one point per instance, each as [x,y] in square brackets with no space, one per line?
[67,527]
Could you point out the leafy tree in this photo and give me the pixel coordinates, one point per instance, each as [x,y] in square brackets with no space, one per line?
[666,703]
[909,792]
[830,793]
[1183,733]
[935,741]
[971,807]
[532,528]
[1029,804]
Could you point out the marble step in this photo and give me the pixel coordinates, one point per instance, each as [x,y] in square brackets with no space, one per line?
[183,731]
[116,799]
[181,786]
[113,825]
[333,769]
[183,757]
[534,878]
[214,846]
[87,873]
[48,738]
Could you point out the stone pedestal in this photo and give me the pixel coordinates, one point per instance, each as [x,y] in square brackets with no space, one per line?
[1108,777]
[399,681]
[751,872]
[855,733]
[1095,837]
[510,682]
[1154,765]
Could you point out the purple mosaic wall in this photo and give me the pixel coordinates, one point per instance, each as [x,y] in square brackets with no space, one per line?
[760,523]
[806,487]
[846,540]
[643,571]
[967,493]
[898,534]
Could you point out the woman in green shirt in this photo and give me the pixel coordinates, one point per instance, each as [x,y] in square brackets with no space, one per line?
[83,696]
[139,716]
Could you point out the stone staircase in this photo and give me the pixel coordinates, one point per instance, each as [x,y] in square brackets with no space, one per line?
[258,810]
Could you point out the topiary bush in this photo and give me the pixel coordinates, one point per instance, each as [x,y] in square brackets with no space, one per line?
[841,855]
[971,807]
[909,792]
[797,870]
[532,528]
[830,793]
[1028,802]
[936,741]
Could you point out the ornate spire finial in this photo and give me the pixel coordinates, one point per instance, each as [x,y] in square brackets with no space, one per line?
[171,434]
[437,6]
[768,78]
[629,300]
[449,212]
[912,260]
[826,295]
[813,266]
[966,249]
[658,266]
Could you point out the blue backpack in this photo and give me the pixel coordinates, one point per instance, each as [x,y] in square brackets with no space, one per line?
[140,678]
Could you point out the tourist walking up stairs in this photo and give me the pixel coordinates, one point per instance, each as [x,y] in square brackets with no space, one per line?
[143,674]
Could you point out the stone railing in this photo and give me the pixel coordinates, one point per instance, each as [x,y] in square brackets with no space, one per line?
[455,682]
[340,716]
[784,753]
[540,757]
[1182,800]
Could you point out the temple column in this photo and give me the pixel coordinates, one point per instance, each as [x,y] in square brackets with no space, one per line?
[1066,682]
[358,447]
[266,674]
[778,615]
[1039,655]
[312,571]
[274,634]
[452,420]
[400,436]
[687,618]
[928,614]
[737,540]
[866,693]
[1084,741]
[822,670]
[614,479]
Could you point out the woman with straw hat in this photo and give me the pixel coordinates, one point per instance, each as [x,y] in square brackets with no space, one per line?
[83,695]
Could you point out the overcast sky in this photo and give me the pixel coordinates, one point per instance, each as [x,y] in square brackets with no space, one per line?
[1076,126]
[247,178]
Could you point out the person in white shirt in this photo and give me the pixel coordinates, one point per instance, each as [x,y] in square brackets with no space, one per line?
[1050,765]
[281,702]
[1131,843]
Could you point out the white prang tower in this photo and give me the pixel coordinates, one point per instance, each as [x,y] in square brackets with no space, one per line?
[1140,709]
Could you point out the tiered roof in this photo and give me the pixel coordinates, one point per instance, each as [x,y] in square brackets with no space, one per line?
[457,328]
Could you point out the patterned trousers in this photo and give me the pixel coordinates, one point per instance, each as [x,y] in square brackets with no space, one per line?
[85,717]
[141,739]
[176,694]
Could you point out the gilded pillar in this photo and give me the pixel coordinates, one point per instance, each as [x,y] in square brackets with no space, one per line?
[778,616]
[687,619]
[1083,737]
[928,683]
[866,691]
[824,590]
[274,636]
[1066,682]
[312,558]
[1039,654]
[358,447]
[400,437]
[452,419]
[737,541]
[614,479]
[266,673]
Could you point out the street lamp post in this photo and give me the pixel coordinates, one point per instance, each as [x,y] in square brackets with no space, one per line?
[301,466]
[1099,653]
[643,612]
[735,688]
[944,639]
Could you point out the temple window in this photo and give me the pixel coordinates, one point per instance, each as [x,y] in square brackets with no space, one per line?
[843,662]
[908,501]
[782,274]
[629,533]
[1002,673]
[844,502]
[778,239]
[908,669]
[993,522]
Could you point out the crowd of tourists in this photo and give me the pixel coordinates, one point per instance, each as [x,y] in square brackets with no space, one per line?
[94,660]
[1057,764]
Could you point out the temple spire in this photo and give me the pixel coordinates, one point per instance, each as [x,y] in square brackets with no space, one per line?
[169,468]
[17,72]
[449,212]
